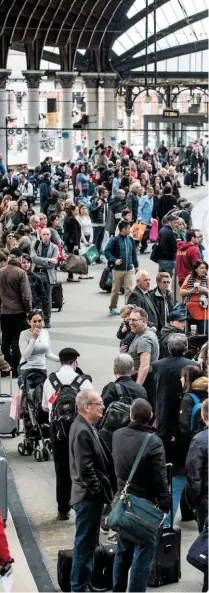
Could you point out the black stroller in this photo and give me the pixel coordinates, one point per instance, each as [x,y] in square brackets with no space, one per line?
[35,420]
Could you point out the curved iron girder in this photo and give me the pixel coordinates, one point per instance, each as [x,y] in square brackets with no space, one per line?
[36,6]
[126,23]
[165,54]
[161,34]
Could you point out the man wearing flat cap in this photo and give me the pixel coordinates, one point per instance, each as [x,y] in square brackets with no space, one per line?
[15,296]
[68,372]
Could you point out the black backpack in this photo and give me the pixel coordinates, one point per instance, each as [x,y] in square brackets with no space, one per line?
[64,407]
[116,416]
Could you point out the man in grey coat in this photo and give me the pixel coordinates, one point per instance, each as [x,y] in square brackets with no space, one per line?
[45,258]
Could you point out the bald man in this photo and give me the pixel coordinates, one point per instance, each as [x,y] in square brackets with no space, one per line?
[90,468]
[141,298]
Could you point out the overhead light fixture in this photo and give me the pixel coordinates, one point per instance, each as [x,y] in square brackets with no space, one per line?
[147,99]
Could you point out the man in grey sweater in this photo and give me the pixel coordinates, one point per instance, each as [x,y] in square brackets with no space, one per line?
[45,256]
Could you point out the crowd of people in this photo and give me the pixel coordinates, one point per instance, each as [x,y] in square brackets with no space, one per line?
[115,202]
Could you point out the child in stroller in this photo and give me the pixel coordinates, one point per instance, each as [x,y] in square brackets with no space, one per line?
[35,420]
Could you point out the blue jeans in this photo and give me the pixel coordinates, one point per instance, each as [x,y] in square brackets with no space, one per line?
[88,514]
[139,559]
[179,483]
[166,265]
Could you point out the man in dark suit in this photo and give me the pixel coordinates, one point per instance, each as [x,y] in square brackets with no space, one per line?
[91,468]
[167,375]
[141,298]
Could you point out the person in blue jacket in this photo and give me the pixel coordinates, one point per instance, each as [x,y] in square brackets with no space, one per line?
[145,209]
[120,253]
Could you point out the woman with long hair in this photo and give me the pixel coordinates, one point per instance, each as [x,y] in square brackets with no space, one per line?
[86,225]
[195,289]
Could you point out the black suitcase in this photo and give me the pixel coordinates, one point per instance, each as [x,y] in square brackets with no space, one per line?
[187,178]
[103,568]
[106,279]
[57,296]
[166,563]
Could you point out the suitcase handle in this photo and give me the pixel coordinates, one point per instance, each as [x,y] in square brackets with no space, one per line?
[169,467]
[10,381]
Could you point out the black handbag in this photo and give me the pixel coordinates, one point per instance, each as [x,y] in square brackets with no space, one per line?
[198,553]
[155,253]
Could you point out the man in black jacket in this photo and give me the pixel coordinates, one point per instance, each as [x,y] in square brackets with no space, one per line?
[90,470]
[166,202]
[98,215]
[167,244]
[149,482]
[117,206]
[141,298]
[166,373]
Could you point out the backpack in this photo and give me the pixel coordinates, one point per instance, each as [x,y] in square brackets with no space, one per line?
[194,421]
[51,209]
[116,416]
[63,404]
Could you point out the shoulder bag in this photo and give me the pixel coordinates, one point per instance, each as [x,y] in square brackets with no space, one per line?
[134,518]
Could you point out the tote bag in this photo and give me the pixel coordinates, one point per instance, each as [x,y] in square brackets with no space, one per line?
[134,518]
[138,230]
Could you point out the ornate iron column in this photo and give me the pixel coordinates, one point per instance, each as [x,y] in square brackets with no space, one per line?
[66,79]
[4,75]
[33,78]
[110,108]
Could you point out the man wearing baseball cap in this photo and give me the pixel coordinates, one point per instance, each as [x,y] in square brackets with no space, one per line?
[176,324]
[66,375]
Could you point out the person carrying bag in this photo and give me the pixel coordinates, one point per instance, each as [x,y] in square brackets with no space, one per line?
[135,518]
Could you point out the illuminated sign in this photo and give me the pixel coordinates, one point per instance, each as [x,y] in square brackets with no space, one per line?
[171,113]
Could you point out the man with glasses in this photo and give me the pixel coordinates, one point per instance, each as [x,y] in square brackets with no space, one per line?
[161,297]
[187,254]
[144,350]
[45,256]
[90,468]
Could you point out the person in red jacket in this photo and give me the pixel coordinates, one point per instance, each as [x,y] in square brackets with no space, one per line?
[5,558]
[187,253]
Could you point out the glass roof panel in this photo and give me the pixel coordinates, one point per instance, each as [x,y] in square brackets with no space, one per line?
[169,14]
[136,7]
[205,60]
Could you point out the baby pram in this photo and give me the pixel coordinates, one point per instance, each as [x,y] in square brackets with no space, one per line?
[35,420]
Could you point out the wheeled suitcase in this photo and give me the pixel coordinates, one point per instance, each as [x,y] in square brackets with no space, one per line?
[7,424]
[57,296]
[166,563]
[103,568]
[106,279]
[3,489]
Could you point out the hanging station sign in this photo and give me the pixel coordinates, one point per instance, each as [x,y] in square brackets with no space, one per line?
[170,113]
